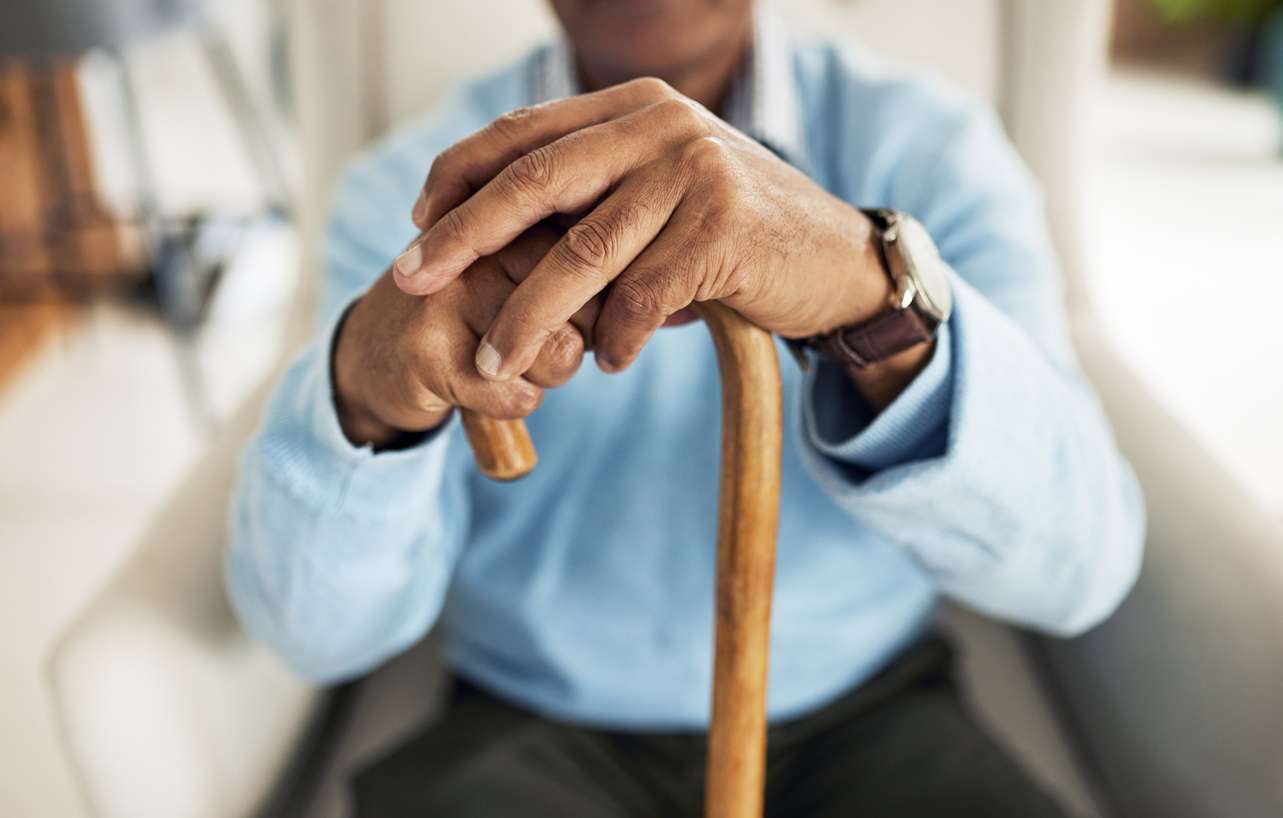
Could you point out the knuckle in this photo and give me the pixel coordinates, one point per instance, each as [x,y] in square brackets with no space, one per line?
[589,244]
[516,402]
[443,162]
[514,123]
[454,226]
[652,88]
[636,301]
[564,352]
[682,112]
[536,170]
[704,155]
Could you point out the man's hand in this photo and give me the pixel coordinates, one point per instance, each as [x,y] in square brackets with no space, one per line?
[402,362]
[677,207]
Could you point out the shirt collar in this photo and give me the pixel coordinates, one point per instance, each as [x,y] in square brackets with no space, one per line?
[762,102]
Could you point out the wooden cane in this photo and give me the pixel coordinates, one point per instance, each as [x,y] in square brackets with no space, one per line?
[747,520]
[502,448]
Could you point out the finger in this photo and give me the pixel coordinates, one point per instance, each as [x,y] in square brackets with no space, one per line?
[585,319]
[563,176]
[486,285]
[579,267]
[534,186]
[459,383]
[661,282]
[482,291]
[559,358]
[681,318]
[520,257]
[469,164]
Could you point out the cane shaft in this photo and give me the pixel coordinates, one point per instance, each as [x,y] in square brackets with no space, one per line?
[747,520]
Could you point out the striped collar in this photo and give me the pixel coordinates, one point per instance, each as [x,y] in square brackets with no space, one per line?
[763,99]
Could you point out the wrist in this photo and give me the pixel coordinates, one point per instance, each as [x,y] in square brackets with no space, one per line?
[359,424]
[856,284]
[887,337]
[881,383]
[863,289]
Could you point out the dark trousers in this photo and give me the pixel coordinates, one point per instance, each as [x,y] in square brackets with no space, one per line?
[901,745]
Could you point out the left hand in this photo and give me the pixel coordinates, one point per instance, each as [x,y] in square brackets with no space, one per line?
[678,207]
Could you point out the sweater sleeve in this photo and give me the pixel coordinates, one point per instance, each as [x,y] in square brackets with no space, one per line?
[340,556]
[996,468]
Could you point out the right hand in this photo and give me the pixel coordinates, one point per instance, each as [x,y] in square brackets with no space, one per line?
[403,362]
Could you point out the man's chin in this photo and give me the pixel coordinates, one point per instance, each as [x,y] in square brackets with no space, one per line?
[634,9]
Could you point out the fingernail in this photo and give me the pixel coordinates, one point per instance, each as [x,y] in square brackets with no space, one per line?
[408,263]
[488,360]
[420,211]
[605,364]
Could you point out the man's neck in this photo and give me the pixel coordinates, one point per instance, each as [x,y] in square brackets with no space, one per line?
[707,81]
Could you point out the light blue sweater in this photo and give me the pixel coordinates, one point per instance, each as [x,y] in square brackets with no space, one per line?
[585,590]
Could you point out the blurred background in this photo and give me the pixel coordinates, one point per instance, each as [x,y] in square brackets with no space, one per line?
[164,176]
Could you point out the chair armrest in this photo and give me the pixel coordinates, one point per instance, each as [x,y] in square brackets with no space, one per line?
[1176,699]
[1053,59]
[167,707]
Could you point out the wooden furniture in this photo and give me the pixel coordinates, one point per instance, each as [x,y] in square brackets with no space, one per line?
[24,331]
[54,233]
[747,522]
[57,32]
[57,243]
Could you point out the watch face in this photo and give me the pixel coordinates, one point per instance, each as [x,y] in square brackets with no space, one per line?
[926,266]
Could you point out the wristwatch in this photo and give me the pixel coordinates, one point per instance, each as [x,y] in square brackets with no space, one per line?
[921,299]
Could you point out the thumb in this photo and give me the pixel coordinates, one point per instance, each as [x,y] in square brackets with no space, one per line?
[411,278]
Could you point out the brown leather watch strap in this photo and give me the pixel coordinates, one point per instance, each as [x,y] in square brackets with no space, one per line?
[876,339]
[904,323]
